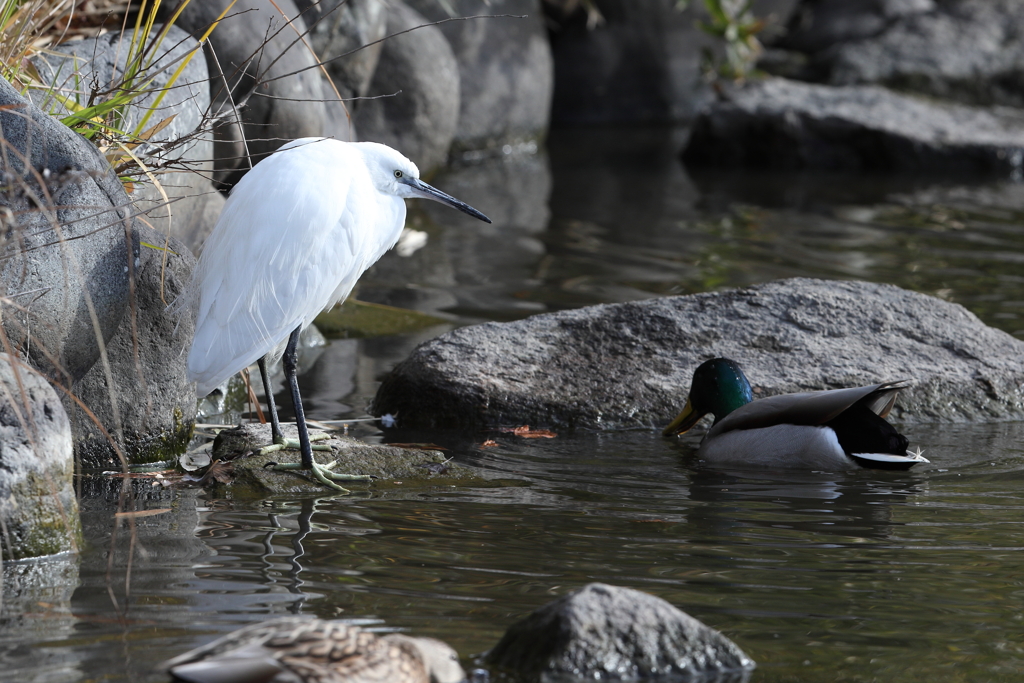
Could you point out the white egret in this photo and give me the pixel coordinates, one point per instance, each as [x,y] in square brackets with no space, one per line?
[294,236]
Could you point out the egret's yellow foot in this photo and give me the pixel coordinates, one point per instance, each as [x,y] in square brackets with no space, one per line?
[283,444]
[323,474]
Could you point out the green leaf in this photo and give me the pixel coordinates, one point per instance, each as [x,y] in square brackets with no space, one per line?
[153,246]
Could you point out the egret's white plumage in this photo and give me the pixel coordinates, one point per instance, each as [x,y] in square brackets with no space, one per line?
[294,236]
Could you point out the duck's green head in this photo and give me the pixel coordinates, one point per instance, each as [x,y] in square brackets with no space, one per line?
[719,387]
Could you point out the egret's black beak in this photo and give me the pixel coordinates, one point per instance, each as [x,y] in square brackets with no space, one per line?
[428,192]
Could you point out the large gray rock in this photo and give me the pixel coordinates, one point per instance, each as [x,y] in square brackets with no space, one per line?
[68,225]
[777,123]
[150,407]
[643,62]
[506,71]
[185,201]
[263,65]
[968,50]
[630,365]
[420,120]
[350,28]
[604,632]
[37,498]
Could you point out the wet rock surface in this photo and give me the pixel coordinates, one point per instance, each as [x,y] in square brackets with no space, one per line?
[150,408]
[37,500]
[390,465]
[70,245]
[630,365]
[603,632]
[785,124]
[816,25]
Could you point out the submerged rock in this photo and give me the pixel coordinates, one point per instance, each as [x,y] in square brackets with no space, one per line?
[784,124]
[630,365]
[389,465]
[38,508]
[604,632]
[37,607]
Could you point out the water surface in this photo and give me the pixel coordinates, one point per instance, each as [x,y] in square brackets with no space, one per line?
[860,576]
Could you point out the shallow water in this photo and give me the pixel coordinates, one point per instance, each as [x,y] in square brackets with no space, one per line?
[861,576]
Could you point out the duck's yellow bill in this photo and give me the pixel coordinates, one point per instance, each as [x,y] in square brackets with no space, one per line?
[683,422]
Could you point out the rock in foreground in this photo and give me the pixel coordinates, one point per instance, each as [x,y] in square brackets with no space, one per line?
[630,365]
[606,632]
[789,125]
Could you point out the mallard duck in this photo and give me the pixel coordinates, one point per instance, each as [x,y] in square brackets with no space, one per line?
[304,650]
[821,430]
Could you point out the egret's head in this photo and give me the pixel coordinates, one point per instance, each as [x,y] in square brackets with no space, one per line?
[393,174]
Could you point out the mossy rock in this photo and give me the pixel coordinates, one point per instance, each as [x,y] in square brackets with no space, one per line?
[358,319]
[393,467]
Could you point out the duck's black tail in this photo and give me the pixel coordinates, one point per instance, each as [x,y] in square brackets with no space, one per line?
[861,431]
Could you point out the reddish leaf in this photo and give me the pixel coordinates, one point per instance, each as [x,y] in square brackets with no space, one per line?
[528,433]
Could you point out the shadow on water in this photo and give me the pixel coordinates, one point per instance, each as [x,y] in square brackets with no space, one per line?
[857,576]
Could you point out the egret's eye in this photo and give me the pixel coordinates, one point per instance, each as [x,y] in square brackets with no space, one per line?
[398,174]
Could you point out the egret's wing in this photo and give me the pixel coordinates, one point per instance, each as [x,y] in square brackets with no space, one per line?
[278,252]
[809,408]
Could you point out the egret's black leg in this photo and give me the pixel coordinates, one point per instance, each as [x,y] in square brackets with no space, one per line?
[290,363]
[275,424]
[322,473]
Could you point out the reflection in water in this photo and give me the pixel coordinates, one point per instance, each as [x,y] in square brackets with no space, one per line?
[822,505]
